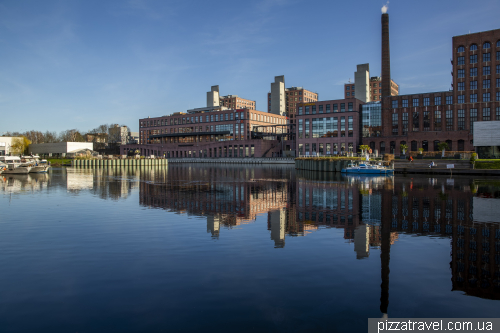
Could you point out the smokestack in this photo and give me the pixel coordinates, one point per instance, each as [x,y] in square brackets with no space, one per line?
[386,56]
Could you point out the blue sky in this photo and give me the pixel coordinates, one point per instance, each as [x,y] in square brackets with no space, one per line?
[79,64]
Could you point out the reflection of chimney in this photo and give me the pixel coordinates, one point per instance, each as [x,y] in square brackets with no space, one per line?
[386,57]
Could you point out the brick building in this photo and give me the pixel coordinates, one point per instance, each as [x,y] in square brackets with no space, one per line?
[210,132]
[328,127]
[425,120]
[374,87]
[292,97]
[235,102]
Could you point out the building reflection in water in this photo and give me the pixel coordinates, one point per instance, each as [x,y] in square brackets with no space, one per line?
[18,184]
[373,212]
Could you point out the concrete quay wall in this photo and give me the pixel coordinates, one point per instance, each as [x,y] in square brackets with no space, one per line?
[165,162]
[118,163]
[321,165]
[248,160]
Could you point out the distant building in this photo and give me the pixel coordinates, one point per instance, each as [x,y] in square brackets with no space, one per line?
[284,101]
[118,134]
[96,137]
[5,144]
[328,127]
[366,88]
[230,101]
[59,148]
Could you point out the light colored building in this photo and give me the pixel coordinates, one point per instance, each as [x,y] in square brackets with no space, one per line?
[486,138]
[118,134]
[293,96]
[278,102]
[213,96]
[59,148]
[366,88]
[5,144]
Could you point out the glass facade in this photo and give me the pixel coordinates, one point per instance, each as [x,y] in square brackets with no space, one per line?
[371,114]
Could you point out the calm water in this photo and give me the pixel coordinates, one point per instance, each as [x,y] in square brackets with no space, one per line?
[236,249]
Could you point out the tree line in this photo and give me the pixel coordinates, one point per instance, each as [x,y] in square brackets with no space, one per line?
[70,135]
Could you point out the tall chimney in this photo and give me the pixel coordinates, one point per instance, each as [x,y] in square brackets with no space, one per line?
[386,57]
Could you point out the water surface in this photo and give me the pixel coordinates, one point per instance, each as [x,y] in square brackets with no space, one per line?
[202,248]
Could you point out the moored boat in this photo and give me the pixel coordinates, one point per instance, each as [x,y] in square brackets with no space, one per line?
[368,169]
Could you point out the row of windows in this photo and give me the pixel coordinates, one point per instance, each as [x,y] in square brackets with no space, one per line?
[426,101]
[212,118]
[325,127]
[473,98]
[437,120]
[473,84]
[473,71]
[473,58]
[473,47]
[324,108]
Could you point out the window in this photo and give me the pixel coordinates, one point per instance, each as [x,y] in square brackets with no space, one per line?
[461,73]
[306,129]
[486,114]
[461,86]
[486,45]
[404,123]
[498,97]
[350,126]
[472,118]
[328,108]
[342,107]
[437,100]
[307,109]
[394,104]
[473,58]
[498,55]
[486,84]
[498,43]
[473,72]
[497,113]
[473,98]
[461,99]
[449,120]
[300,110]
[461,49]
[342,126]
[335,108]
[426,101]
[349,106]
[486,57]
[461,119]
[486,70]
[415,102]
[461,61]
[449,100]
[395,129]
[313,111]
[416,121]
[486,97]
[498,69]
[473,47]
[427,121]
[437,120]
[320,110]
[405,103]
[347,87]
[473,85]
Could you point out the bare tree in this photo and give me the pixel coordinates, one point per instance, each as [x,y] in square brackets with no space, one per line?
[50,137]
[72,135]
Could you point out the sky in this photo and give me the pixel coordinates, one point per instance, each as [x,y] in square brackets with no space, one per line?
[80,64]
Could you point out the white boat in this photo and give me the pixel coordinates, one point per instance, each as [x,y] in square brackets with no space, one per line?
[40,166]
[368,169]
[37,165]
